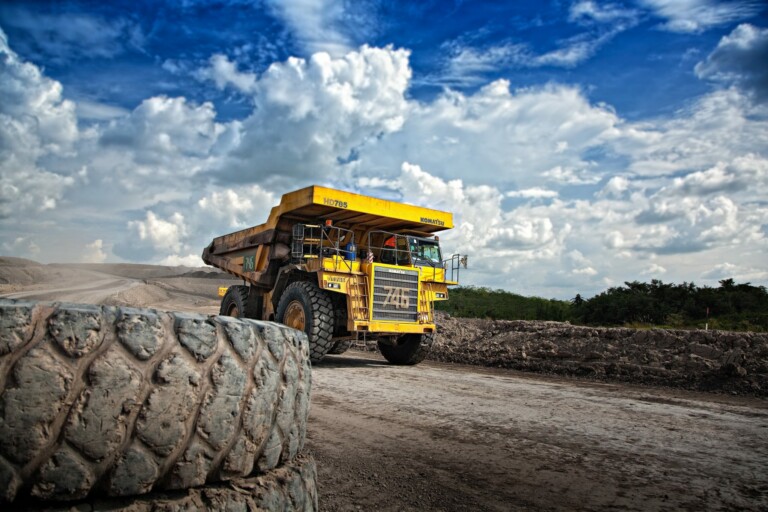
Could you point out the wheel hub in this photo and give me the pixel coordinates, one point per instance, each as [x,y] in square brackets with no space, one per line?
[294,316]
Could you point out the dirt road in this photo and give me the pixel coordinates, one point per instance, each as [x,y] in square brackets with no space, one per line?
[94,291]
[451,437]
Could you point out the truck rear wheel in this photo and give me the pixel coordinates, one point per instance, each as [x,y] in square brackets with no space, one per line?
[408,349]
[234,301]
[304,306]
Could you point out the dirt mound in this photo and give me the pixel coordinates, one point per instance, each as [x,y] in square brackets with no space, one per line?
[703,360]
[10,261]
[130,270]
[208,274]
[19,271]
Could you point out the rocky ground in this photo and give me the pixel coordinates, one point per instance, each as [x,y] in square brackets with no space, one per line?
[733,362]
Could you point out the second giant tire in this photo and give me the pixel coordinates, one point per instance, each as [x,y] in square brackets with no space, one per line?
[107,401]
[316,309]
[409,349]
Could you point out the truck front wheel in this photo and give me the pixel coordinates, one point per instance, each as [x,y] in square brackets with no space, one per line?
[408,349]
[304,306]
[234,301]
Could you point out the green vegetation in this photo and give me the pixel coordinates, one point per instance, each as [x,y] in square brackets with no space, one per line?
[731,306]
[473,302]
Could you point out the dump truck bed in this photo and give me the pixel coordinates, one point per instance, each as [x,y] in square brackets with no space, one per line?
[346,208]
[231,252]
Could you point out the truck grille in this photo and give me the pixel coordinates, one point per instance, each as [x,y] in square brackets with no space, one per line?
[395,294]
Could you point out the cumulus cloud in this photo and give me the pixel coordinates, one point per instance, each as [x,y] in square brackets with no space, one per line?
[311,114]
[36,122]
[740,59]
[94,252]
[699,15]
[720,126]
[224,73]
[160,234]
[237,208]
[654,270]
[501,135]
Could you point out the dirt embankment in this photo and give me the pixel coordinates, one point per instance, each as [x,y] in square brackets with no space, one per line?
[703,360]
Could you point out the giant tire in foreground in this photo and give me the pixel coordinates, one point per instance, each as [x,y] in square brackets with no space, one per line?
[105,401]
[289,487]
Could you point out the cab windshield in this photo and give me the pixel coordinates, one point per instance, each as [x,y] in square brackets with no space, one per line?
[425,252]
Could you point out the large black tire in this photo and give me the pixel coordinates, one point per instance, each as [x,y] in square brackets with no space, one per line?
[409,349]
[289,487]
[234,302]
[317,312]
[341,346]
[99,400]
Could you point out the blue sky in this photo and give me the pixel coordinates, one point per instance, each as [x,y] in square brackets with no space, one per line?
[580,143]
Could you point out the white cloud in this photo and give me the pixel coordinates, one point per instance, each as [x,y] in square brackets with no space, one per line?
[718,127]
[533,193]
[223,72]
[500,135]
[740,59]
[162,235]
[615,187]
[94,252]
[467,63]
[588,11]
[311,114]
[22,246]
[238,208]
[68,36]
[176,260]
[324,25]
[35,123]
[739,273]
[654,270]
[699,15]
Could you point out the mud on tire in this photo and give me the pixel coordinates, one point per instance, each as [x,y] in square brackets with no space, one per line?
[98,400]
[288,487]
[318,315]
[408,349]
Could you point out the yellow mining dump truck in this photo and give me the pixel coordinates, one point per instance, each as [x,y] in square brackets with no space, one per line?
[342,267]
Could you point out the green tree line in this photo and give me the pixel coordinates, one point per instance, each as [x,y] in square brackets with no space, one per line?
[730,306]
